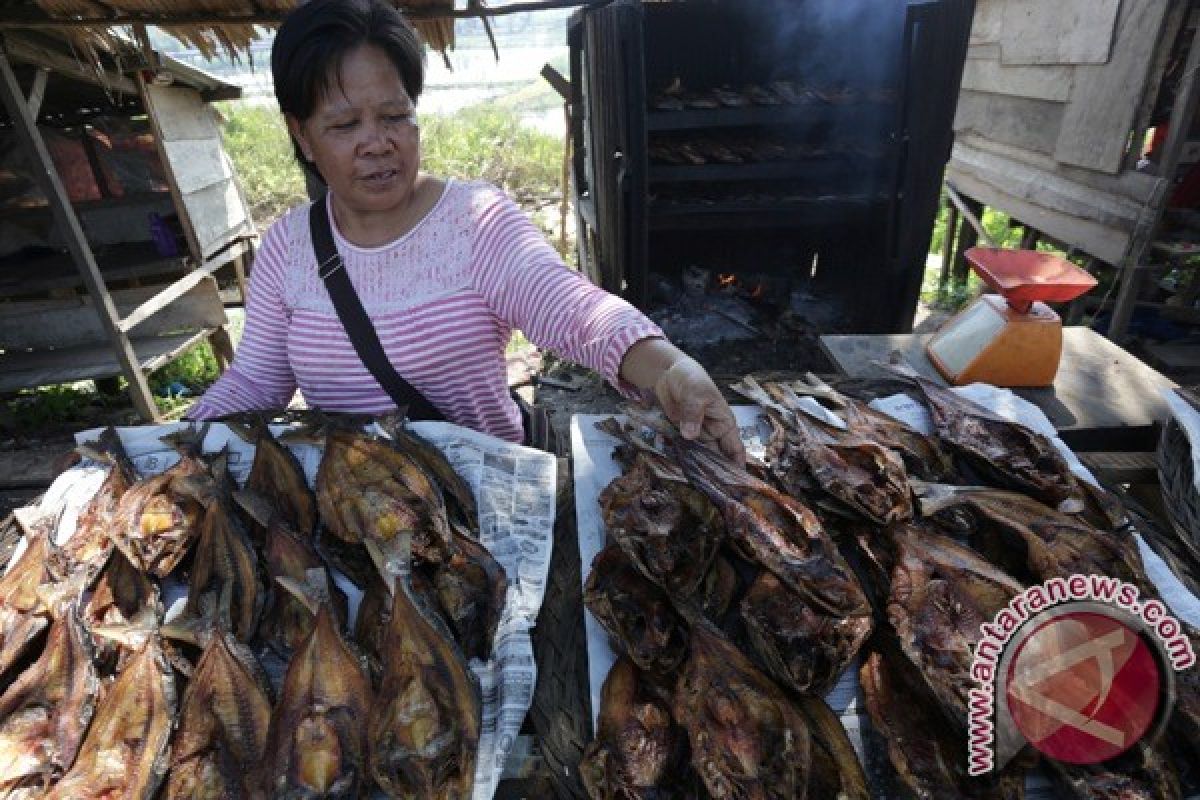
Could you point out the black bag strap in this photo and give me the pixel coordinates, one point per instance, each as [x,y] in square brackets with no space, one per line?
[356,322]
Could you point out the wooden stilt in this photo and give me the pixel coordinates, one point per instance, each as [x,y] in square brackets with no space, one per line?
[64,216]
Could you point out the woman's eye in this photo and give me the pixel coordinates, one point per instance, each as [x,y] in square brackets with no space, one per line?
[343,126]
[399,118]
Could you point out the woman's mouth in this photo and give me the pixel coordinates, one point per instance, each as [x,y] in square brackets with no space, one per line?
[380,177]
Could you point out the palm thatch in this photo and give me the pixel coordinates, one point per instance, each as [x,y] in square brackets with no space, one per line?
[210,37]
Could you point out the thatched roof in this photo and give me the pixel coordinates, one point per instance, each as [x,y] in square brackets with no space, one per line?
[210,26]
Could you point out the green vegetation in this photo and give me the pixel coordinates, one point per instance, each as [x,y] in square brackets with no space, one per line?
[489,143]
[257,142]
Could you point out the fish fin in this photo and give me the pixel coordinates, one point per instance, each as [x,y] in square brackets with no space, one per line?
[305,591]
[936,497]
[260,509]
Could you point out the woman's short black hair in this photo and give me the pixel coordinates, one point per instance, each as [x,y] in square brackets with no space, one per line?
[312,41]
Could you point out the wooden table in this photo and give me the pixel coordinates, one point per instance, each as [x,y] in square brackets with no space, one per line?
[1103,398]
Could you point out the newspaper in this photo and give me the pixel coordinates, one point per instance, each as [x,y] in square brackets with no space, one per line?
[515,490]
[595,468]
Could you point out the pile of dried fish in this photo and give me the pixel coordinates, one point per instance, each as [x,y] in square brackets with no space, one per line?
[276,698]
[729,596]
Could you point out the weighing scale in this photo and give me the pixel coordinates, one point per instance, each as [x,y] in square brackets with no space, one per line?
[1012,338]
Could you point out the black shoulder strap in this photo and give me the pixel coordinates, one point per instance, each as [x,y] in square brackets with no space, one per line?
[356,322]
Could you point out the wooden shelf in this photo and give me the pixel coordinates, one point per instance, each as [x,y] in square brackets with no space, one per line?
[756,116]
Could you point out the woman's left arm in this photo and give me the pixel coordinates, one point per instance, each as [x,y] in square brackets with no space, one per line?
[527,285]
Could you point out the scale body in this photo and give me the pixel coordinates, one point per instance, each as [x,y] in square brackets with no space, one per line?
[1011,338]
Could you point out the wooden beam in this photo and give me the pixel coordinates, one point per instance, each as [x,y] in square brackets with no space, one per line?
[19,49]
[556,80]
[274,18]
[161,300]
[1184,111]
[64,216]
[37,92]
[160,144]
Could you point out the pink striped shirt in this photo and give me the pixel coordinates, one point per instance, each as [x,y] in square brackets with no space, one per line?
[444,298]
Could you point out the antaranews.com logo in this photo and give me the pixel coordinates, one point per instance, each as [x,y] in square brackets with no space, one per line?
[1078,667]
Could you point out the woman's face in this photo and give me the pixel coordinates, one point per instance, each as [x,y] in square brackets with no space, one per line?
[363,134]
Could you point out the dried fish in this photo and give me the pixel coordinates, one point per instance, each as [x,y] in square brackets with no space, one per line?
[639,752]
[222,728]
[122,596]
[45,712]
[835,769]
[861,474]
[125,751]
[424,731]
[276,474]
[155,526]
[286,620]
[1010,454]
[928,757]
[1146,772]
[670,531]
[923,456]
[471,588]
[941,593]
[460,500]
[370,491]
[224,575]
[775,531]
[89,546]
[317,742]
[804,649]
[23,610]
[747,739]
[635,612]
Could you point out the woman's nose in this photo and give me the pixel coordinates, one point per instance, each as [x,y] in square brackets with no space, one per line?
[374,139]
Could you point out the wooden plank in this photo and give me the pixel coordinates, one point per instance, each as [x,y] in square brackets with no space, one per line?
[68,225]
[1061,32]
[988,22]
[41,325]
[1112,468]
[1136,186]
[1105,98]
[1040,83]
[181,113]
[28,370]
[1103,398]
[21,50]
[152,98]
[218,216]
[161,300]
[198,163]
[1051,191]
[1101,241]
[35,467]
[1017,121]
[38,91]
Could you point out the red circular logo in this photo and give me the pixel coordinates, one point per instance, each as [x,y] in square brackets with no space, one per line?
[1083,687]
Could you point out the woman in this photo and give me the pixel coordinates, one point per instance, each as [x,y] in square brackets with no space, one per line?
[445,269]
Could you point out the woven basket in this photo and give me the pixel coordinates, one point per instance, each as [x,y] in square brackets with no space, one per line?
[1177,480]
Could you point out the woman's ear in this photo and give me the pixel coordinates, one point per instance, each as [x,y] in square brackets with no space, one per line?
[296,128]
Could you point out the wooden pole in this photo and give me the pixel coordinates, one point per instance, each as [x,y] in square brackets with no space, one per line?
[68,224]
[947,247]
[1182,115]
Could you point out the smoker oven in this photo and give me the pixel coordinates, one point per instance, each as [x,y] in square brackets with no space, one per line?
[803,138]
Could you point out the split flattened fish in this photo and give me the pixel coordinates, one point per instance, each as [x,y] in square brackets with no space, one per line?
[1145,772]
[222,729]
[45,712]
[639,752]
[224,575]
[460,500]
[125,751]
[121,595]
[277,475]
[670,531]
[859,473]
[804,649]
[941,592]
[286,620]
[423,731]
[1006,452]
[923,456]
[775,531]
[747,739]
[1036,538]
[370,491]
[317,741]
[23,611]
[155,526]
[929,759]
[471,588]
[90,544]
[835,770]
[635,612]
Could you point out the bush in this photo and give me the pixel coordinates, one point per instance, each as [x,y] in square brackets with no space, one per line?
[491,144]
[258,144]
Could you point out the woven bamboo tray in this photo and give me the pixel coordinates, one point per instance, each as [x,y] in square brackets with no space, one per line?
[1177,478]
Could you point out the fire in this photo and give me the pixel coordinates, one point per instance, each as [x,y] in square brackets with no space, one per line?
[757,293]
[725,280]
